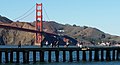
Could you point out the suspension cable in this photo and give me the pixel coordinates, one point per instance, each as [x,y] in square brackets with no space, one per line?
[24,14]
[46,13]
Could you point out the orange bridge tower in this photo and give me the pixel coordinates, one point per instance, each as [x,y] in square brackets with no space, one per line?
[38,24]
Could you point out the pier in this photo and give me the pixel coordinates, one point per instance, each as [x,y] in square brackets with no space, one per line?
[87,54]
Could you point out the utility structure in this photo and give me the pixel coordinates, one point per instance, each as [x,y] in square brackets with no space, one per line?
[38,24]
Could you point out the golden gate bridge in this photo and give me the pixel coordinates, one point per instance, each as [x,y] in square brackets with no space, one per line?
[39,33]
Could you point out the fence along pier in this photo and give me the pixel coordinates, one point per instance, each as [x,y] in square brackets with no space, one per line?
[87,54]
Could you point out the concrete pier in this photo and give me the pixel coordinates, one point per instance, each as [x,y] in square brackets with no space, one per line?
[112,54]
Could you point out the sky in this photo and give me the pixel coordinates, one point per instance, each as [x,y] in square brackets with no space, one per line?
[101,14]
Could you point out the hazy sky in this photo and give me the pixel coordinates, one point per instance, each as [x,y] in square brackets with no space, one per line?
[102,14]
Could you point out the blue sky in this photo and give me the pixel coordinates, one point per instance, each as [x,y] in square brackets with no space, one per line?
[102,14]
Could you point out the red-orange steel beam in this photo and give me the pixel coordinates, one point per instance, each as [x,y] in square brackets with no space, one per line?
[27,30]
[39,24]
[18,28]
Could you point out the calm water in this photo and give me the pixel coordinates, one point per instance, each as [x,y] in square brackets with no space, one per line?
[70,63]
[60,59]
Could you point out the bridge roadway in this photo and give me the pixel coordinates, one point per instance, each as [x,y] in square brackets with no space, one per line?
[92,53]
[23,29]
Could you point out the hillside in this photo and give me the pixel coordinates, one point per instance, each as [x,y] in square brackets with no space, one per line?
[5,20]
[84,34]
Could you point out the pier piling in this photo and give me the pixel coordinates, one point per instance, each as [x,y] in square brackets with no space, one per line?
[57,56]
[118,54]
[96,55]
[49,56]
[70,56]
[24,57]
[113,55]
[90,55]
[41,56]
[11,57]
[64,56]
[27,55]
[17,56]
[34,56]
[77,55]
[84,55]
[102,55]
[0,57]
[6,56]
[108,56]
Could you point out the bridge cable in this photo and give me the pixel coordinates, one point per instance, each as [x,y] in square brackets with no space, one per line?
[24,13]
[46,14]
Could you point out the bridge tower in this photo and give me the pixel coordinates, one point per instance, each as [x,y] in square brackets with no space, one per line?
[38,24]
